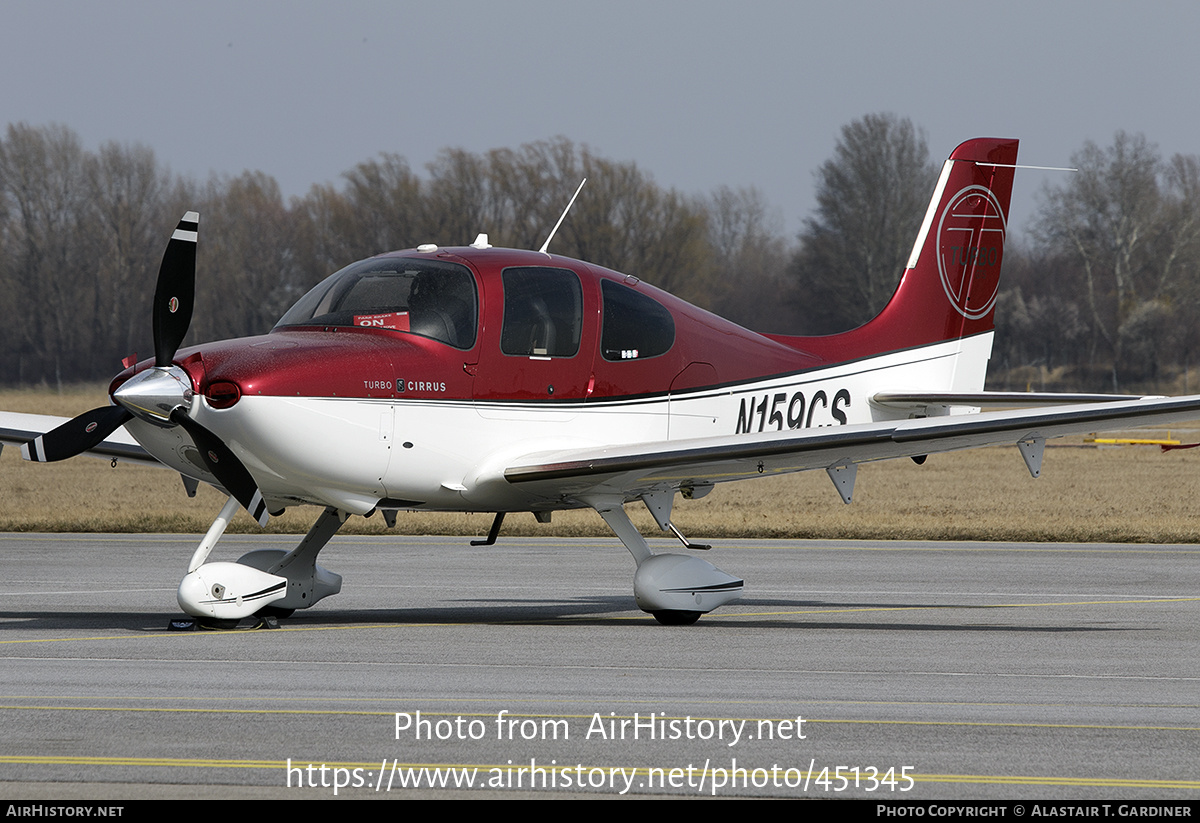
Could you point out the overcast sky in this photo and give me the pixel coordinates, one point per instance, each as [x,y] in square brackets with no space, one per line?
[698,94]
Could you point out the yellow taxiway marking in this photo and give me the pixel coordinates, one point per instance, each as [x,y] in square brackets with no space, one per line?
[953,607]
[585,717]
[508,700]
[633,771]
[1033,780]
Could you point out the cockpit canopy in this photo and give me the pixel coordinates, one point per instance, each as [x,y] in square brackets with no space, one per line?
[431,298]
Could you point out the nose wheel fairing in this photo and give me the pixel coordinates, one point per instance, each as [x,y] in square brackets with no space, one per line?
[228,591]
[262,578]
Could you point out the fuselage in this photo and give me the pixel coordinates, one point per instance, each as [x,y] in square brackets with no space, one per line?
[412,379]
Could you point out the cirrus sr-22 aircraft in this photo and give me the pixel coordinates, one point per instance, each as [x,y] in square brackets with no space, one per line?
[482,379]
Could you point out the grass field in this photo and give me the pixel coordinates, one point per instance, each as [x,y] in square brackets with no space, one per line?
[1085,494]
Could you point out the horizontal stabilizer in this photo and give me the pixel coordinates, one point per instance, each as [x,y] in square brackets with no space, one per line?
[915,401]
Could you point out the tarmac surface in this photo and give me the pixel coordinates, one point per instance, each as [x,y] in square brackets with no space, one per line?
[880,670]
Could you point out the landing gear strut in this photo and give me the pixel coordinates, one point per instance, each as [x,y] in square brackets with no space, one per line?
[675,588]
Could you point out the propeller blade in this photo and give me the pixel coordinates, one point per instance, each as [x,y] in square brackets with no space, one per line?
[75,436]
[225,466]
[175,294]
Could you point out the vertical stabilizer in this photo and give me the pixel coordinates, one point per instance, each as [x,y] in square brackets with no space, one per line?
[948,288]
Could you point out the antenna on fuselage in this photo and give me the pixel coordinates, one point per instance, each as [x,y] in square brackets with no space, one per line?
[560,219]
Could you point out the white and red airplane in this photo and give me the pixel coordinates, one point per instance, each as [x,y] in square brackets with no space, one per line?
[493,380]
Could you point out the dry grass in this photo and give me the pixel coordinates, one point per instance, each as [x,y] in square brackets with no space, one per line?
[1118,494]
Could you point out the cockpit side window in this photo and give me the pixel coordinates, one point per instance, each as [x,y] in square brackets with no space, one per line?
[543,312]
[634,326]
[431,298]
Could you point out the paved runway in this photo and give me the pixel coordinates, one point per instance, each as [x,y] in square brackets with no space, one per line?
[923,671]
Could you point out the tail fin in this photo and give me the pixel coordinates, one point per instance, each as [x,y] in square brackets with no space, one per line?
[948,289]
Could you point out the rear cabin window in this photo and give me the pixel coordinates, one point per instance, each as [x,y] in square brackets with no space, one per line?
[543,312]
[634,326]
[431,298]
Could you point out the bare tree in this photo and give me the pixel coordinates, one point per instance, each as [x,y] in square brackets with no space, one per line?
[622,220]
[1104,215]
[1130,222]
[325,241]
[750,257]
[48,270]
[458,203]
[384,196]
[625,221]
[126,190]
[247,262]
[871,197]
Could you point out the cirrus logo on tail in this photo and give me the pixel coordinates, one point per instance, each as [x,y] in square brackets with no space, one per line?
[970,247]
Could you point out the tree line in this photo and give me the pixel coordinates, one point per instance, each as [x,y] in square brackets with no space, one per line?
[1103,294]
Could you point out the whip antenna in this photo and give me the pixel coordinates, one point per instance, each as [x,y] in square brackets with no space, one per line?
[560,219]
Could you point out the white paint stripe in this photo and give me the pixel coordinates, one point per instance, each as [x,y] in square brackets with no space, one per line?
[181,234]
[929,214]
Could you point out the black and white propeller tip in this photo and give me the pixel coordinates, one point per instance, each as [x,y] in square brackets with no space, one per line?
[77,435]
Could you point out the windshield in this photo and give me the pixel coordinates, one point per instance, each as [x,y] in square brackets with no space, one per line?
[431,298]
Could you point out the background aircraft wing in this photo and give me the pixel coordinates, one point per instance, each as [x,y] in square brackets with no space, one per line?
[633,470]
[18,429]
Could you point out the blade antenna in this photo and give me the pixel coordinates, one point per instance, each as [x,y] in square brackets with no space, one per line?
[560,219]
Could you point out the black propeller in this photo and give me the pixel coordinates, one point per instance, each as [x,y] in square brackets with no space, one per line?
[84,432]
[175,294]
[225,466]
[155,394]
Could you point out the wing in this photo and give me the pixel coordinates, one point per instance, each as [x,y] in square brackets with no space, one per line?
[695,464]
[20,429]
